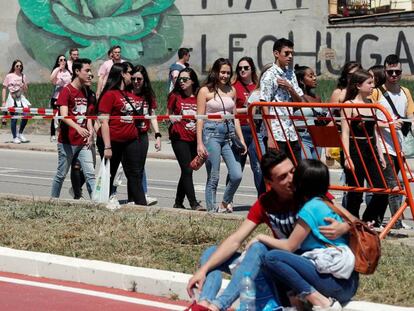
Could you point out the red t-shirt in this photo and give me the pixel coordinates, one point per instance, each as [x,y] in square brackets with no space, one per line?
[280,221]
[242,94]
[115,104]
[77,104]
[184,129]
[143,107]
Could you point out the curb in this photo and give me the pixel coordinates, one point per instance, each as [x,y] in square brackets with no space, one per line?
[100,273]
[29,147]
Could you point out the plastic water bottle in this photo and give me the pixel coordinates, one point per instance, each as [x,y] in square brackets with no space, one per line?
[247,293]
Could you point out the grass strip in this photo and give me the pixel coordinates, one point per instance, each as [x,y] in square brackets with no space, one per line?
[160,239]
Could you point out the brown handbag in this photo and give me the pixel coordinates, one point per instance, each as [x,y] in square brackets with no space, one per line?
[197,162]
[363,241]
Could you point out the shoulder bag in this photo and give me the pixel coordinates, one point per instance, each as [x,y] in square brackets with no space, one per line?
[406,127]
[236,143]
[363,241]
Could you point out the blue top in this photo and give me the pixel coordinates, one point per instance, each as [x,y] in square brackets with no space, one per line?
[313,213]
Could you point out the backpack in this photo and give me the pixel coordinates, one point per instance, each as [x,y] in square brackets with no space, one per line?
[363,241]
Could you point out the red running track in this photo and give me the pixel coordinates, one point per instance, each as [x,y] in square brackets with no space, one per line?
[24,293]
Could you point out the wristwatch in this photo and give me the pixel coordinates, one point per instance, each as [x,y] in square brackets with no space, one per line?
[158,134]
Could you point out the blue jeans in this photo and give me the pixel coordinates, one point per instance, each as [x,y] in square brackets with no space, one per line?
[254,159]
[252,263]
[13,125]
[309,151]
[300,275]
[66,153]
[215,139]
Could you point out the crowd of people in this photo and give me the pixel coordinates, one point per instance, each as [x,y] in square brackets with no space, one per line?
[292,202]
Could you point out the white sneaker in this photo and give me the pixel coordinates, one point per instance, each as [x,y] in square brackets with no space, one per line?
[113,203]
[16,140]
[53,139]
[23,139]
[335,306]
[406,226]
[151,200]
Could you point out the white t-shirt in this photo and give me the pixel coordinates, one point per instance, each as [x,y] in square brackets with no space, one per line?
[400,102]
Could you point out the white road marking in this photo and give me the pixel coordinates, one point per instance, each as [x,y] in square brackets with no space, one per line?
[93,293]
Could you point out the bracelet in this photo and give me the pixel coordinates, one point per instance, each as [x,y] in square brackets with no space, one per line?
[106,148]
[158,135]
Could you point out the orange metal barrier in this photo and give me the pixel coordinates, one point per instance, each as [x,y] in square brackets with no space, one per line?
[330,136]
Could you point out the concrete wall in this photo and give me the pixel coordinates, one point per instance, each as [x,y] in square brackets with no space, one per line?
[151,34]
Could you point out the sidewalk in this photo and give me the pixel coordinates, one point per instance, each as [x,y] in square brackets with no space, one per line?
[39,142]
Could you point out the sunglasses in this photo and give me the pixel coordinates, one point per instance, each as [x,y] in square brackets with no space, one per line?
[18,66]
[137,79]
[183,79]
[392,72]
[62,60]
[245,68]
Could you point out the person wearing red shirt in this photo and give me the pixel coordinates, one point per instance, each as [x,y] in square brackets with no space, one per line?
[245,83]
[121,140]
[183,101]
[75,136]
[147,103]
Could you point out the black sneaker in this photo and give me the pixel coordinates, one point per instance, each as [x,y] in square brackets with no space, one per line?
[178,205]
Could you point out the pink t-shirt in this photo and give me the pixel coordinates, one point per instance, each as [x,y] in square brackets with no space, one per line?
[14,82]
[106,67]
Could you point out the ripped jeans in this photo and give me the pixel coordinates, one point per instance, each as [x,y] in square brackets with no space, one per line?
[215,139]
[299,275]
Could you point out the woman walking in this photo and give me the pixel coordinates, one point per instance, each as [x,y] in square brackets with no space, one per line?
[307,82]
[244,84]
[121,140]
[183,101]
[60,77]
[360,122]
[15,83]
[214,137]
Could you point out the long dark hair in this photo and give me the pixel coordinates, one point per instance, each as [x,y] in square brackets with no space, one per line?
[14,64]
[379,74]
[344,77]
[115,78]
[146,91]
[311,179]
[357,78]
[300,72]
[57,63]
[248,59]
[213,76]
[193,76]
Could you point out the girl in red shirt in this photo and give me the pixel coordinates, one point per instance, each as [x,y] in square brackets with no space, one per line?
[121,140]
[183,101]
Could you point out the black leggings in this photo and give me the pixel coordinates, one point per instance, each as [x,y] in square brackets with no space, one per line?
[52,122]
[377,205]
[185,151]
[133,155]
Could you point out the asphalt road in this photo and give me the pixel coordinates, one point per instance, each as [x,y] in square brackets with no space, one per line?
[31,173]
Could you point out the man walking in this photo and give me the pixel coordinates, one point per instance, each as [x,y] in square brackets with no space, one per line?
[279,84]
[180,64]
[73,55]
[399,104]
[103,72]
[75,136]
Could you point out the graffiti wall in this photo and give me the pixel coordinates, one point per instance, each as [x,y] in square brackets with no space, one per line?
[151,31]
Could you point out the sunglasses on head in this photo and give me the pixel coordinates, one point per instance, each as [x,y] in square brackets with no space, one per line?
[183,79]
[391,72]
[245,68]
[137,79]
